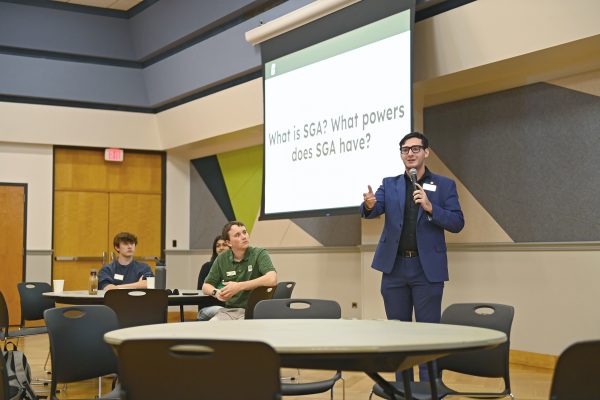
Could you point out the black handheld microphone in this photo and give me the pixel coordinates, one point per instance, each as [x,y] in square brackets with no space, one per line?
[413,177]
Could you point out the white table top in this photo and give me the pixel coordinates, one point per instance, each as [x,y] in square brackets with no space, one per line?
[75,294]
[84,294]
[324,336]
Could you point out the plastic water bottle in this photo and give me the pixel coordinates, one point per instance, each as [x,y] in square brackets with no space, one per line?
[161,275]
[93,285]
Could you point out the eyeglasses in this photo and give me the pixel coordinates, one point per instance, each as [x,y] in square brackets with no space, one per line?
[415,149]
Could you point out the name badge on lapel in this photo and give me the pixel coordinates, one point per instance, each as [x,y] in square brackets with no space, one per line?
[430,187]
[230,273]
[118,277]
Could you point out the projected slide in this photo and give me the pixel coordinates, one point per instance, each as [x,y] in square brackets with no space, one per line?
[334,114]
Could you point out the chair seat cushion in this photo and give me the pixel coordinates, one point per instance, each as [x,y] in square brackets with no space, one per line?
[420,390]
[298,389]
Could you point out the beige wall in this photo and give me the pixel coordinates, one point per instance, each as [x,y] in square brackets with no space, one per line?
[224,112]
[482,47]
[32,164]
[41,124]
[489,31]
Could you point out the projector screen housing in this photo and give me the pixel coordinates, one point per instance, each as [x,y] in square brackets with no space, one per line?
[337,101]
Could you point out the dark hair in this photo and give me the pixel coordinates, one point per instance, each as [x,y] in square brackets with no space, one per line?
[228,226]
[124,237]
[214,248]
[417,135]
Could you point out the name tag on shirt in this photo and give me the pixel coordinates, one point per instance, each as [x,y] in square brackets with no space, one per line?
[230,273]
[429,186]
[249,268]
[118,277]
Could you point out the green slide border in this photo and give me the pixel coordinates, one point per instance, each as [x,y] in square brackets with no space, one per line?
[371,33]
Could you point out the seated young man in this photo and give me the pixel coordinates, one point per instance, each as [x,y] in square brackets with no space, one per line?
[124,272]
[237,271]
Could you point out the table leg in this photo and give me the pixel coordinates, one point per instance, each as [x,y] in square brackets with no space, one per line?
[181,316]
[407,386]
[388,388]
[432,380]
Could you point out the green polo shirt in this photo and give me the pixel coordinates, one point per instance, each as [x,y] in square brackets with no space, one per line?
[256,263]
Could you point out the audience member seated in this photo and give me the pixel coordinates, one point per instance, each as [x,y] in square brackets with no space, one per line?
[237,271]
[124,272]
[219,246]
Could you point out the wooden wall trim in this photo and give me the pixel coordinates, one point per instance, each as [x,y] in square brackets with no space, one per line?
[530,359]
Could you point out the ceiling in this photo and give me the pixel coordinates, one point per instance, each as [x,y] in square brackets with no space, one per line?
[122,5]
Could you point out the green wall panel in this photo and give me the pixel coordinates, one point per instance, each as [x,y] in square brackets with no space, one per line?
[242,171]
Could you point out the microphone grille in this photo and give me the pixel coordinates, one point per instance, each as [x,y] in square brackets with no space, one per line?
[412,171]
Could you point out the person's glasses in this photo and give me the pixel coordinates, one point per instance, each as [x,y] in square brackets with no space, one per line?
[415,149]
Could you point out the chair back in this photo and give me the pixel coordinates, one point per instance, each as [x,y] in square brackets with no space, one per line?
[135,307]
[77,343]
[577,371]
[485,363]
[284,290]
[258,294]
[4,387]
[4,321]
[297,309]
[198,369]
[33,303]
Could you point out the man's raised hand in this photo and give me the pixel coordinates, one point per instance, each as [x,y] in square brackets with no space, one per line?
[369,198]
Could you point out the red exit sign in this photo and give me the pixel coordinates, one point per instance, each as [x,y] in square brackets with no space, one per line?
[113,154]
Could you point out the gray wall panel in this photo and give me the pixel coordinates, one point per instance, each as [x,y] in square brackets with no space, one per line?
[530,157]
[213,60]
[200,66]
[166,22]
[36,77]
[219,58]
[206,218]
[43,28]
[340,230]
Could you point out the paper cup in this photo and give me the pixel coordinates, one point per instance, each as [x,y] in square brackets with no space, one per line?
[150,282]
[58,285]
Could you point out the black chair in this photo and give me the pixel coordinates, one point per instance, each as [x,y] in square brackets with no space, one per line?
[257,294]
[6,392]
[489,363]
[576,373]
[198,369]
[33,305]
[284,290]
[77,344]
[5,321]
[6,334]
[302,309]
[135,307]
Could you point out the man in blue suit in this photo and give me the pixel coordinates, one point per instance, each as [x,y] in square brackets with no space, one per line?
[411,252]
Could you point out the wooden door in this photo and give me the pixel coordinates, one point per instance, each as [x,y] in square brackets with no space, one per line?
[94,200]
[12,245]
[80,232]
[141,215]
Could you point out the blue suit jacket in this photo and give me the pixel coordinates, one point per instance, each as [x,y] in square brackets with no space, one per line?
[431,243]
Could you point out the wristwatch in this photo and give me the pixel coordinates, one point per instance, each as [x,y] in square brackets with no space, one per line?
[214,292]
